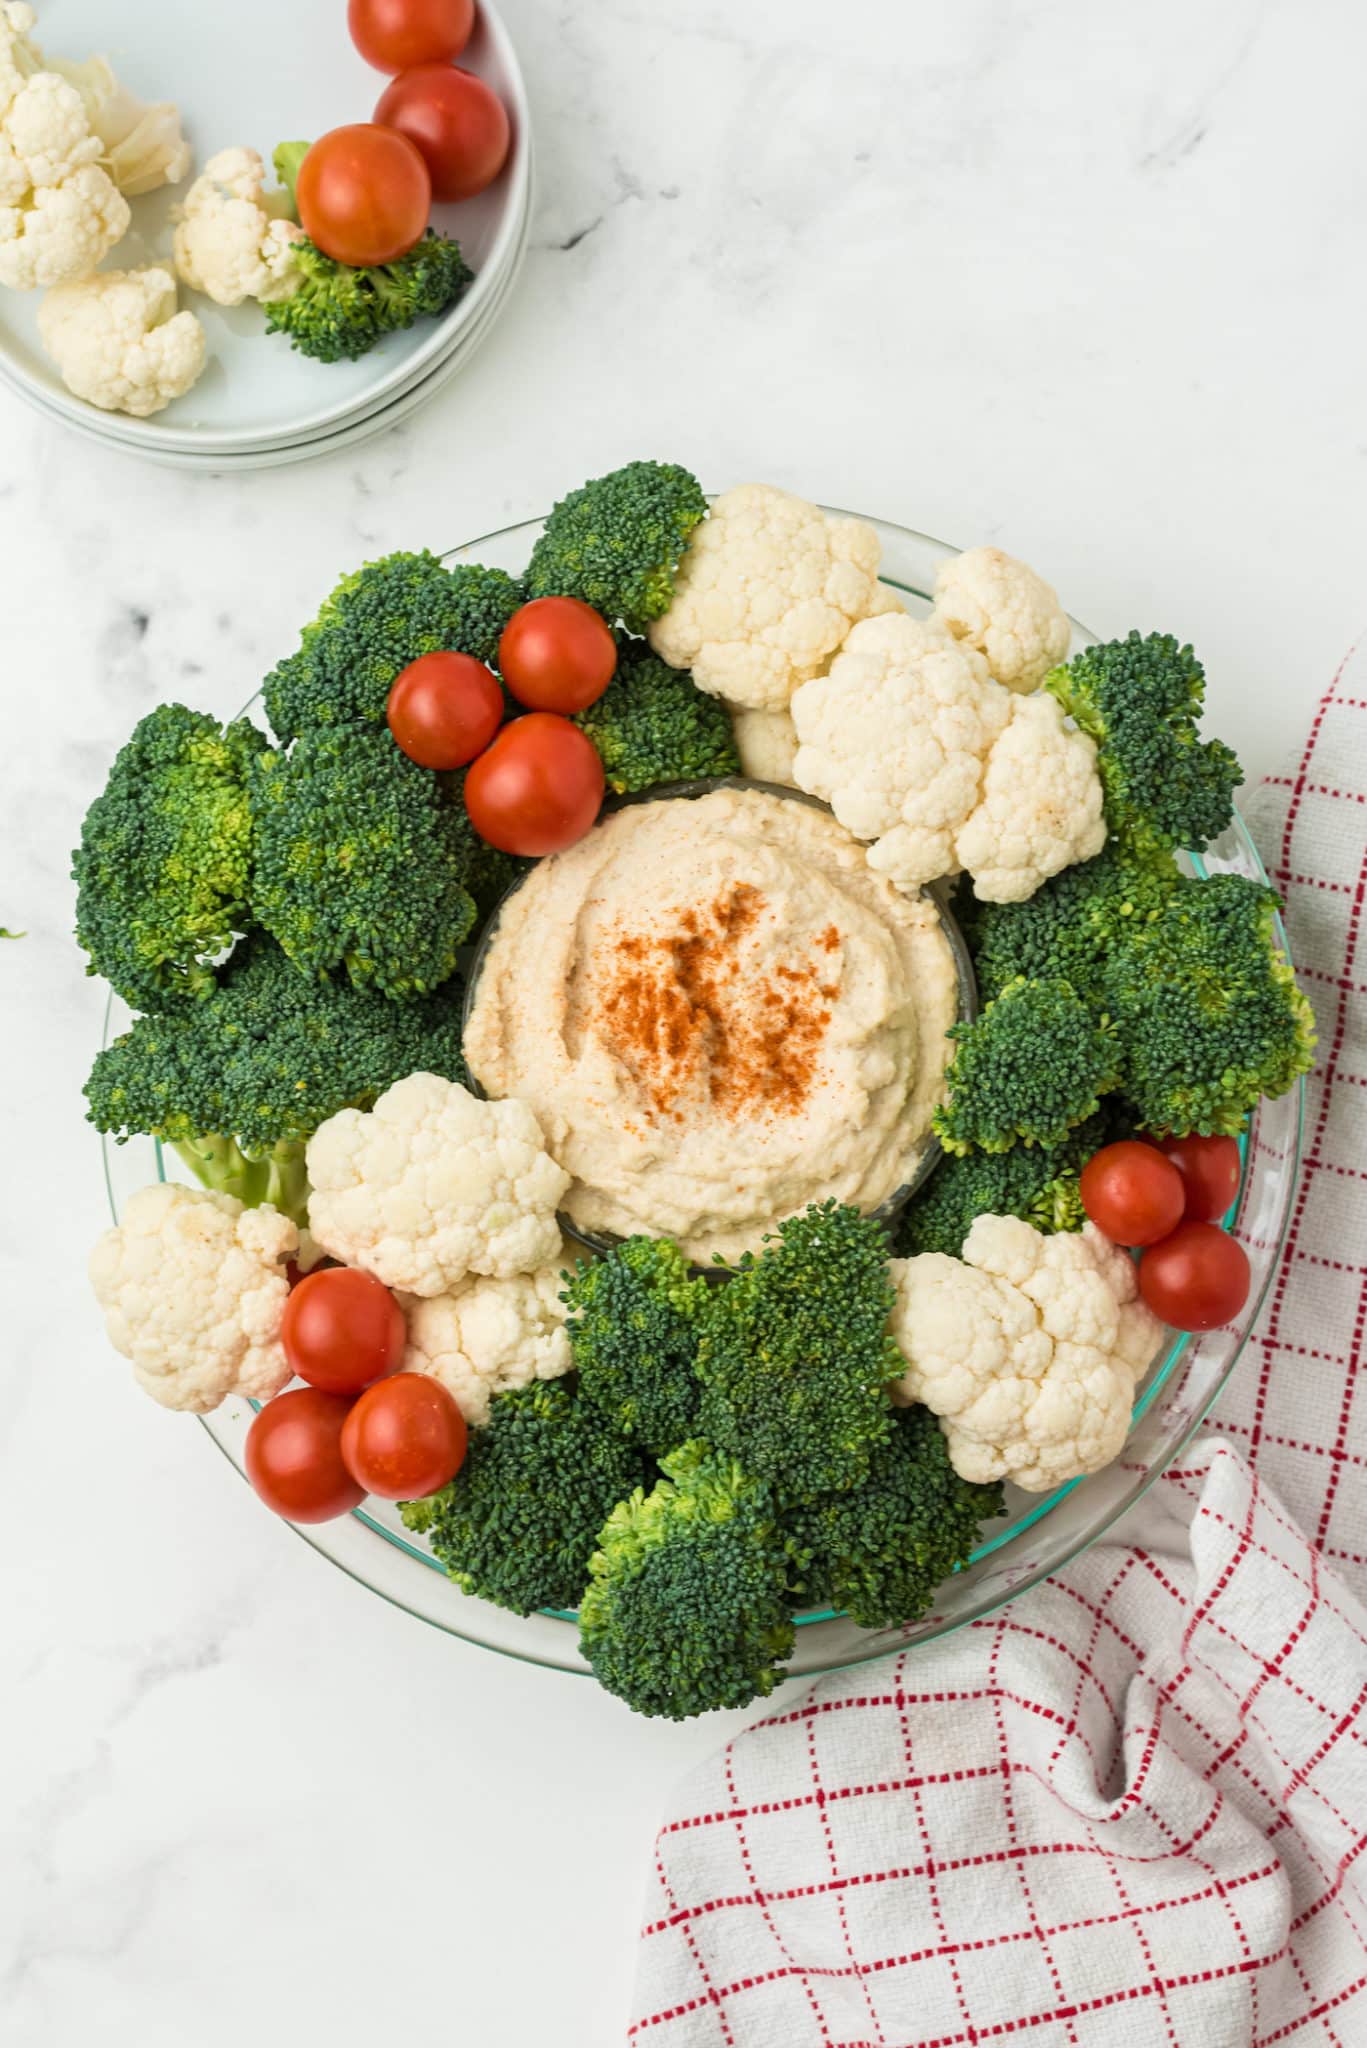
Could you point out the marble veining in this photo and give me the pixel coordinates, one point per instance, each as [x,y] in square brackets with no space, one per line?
[1084,281]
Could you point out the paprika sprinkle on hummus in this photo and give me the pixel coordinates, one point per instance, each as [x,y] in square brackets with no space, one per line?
[697,1007]
[719,1014]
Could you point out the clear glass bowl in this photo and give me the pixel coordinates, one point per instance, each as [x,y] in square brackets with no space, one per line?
[1037,1534]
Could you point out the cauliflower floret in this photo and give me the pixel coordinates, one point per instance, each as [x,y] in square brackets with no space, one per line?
[62,231]
[1040,807]
[1029,1349]
[142,146]
[434,1184]
[44,137]
[767,589]
[72,142]
[767,744]
[20,56]
[193,1287]
[229,242]
[119,341]
[917,750]
[490,1335]
[895,738]
[1001,607]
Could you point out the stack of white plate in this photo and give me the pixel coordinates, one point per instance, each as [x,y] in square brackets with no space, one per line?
[272,74]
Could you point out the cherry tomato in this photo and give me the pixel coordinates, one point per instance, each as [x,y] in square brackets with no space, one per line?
[557,654]
[458,123]
[392,34]
[1210,1174]
[404,1438]
[538,788]
[294,1456]
[1196,1279]
[363,194]
[1131,1192]
[444,709]
[342,1329]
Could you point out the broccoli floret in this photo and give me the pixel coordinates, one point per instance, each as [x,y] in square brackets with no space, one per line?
[653,724]
[1071,925]
[164,862]
[520,1520]
[795,1356]
[634,1322]
[337,313]
[1035,1063]
[1207,1012]
[1140,699]
[238,1082]
[359,861]
[1038,1182]
[1181,973]
[881,1550]
[378,620]
[616,542]
[686,1609]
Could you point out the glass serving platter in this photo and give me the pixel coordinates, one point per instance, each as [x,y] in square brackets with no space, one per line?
[1035,1536]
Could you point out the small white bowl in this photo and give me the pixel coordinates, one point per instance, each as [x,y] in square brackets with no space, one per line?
[257,394]
[91,425]
[348,435]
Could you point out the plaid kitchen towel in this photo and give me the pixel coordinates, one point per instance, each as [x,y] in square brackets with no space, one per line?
[1128,1811]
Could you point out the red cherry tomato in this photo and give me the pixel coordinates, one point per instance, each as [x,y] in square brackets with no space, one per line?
[458,123]
[557,654]
[363,194]
[1132,1193]
[444,709]
[1210,1174]
[404,1438]
[1196,1279]
[294,1456]
[538,788]
[392,34]
[342,1329]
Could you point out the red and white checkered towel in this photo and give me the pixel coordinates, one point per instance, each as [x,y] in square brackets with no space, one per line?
[1129,1809]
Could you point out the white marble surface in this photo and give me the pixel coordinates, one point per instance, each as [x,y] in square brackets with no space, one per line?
[1086,281]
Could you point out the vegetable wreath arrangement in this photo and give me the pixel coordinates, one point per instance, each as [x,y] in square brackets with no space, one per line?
[338,255]
[711,1030]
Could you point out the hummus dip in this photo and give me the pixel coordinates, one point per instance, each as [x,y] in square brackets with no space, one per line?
[720,1014]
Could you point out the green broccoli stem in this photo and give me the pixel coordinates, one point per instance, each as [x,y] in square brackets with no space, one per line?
[288,1183]
[288,159]
[277,1176]
[221,1164]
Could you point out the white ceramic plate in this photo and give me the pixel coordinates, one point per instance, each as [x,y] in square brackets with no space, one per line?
[381,413]
[209,451]
[361,427]
[257,393]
